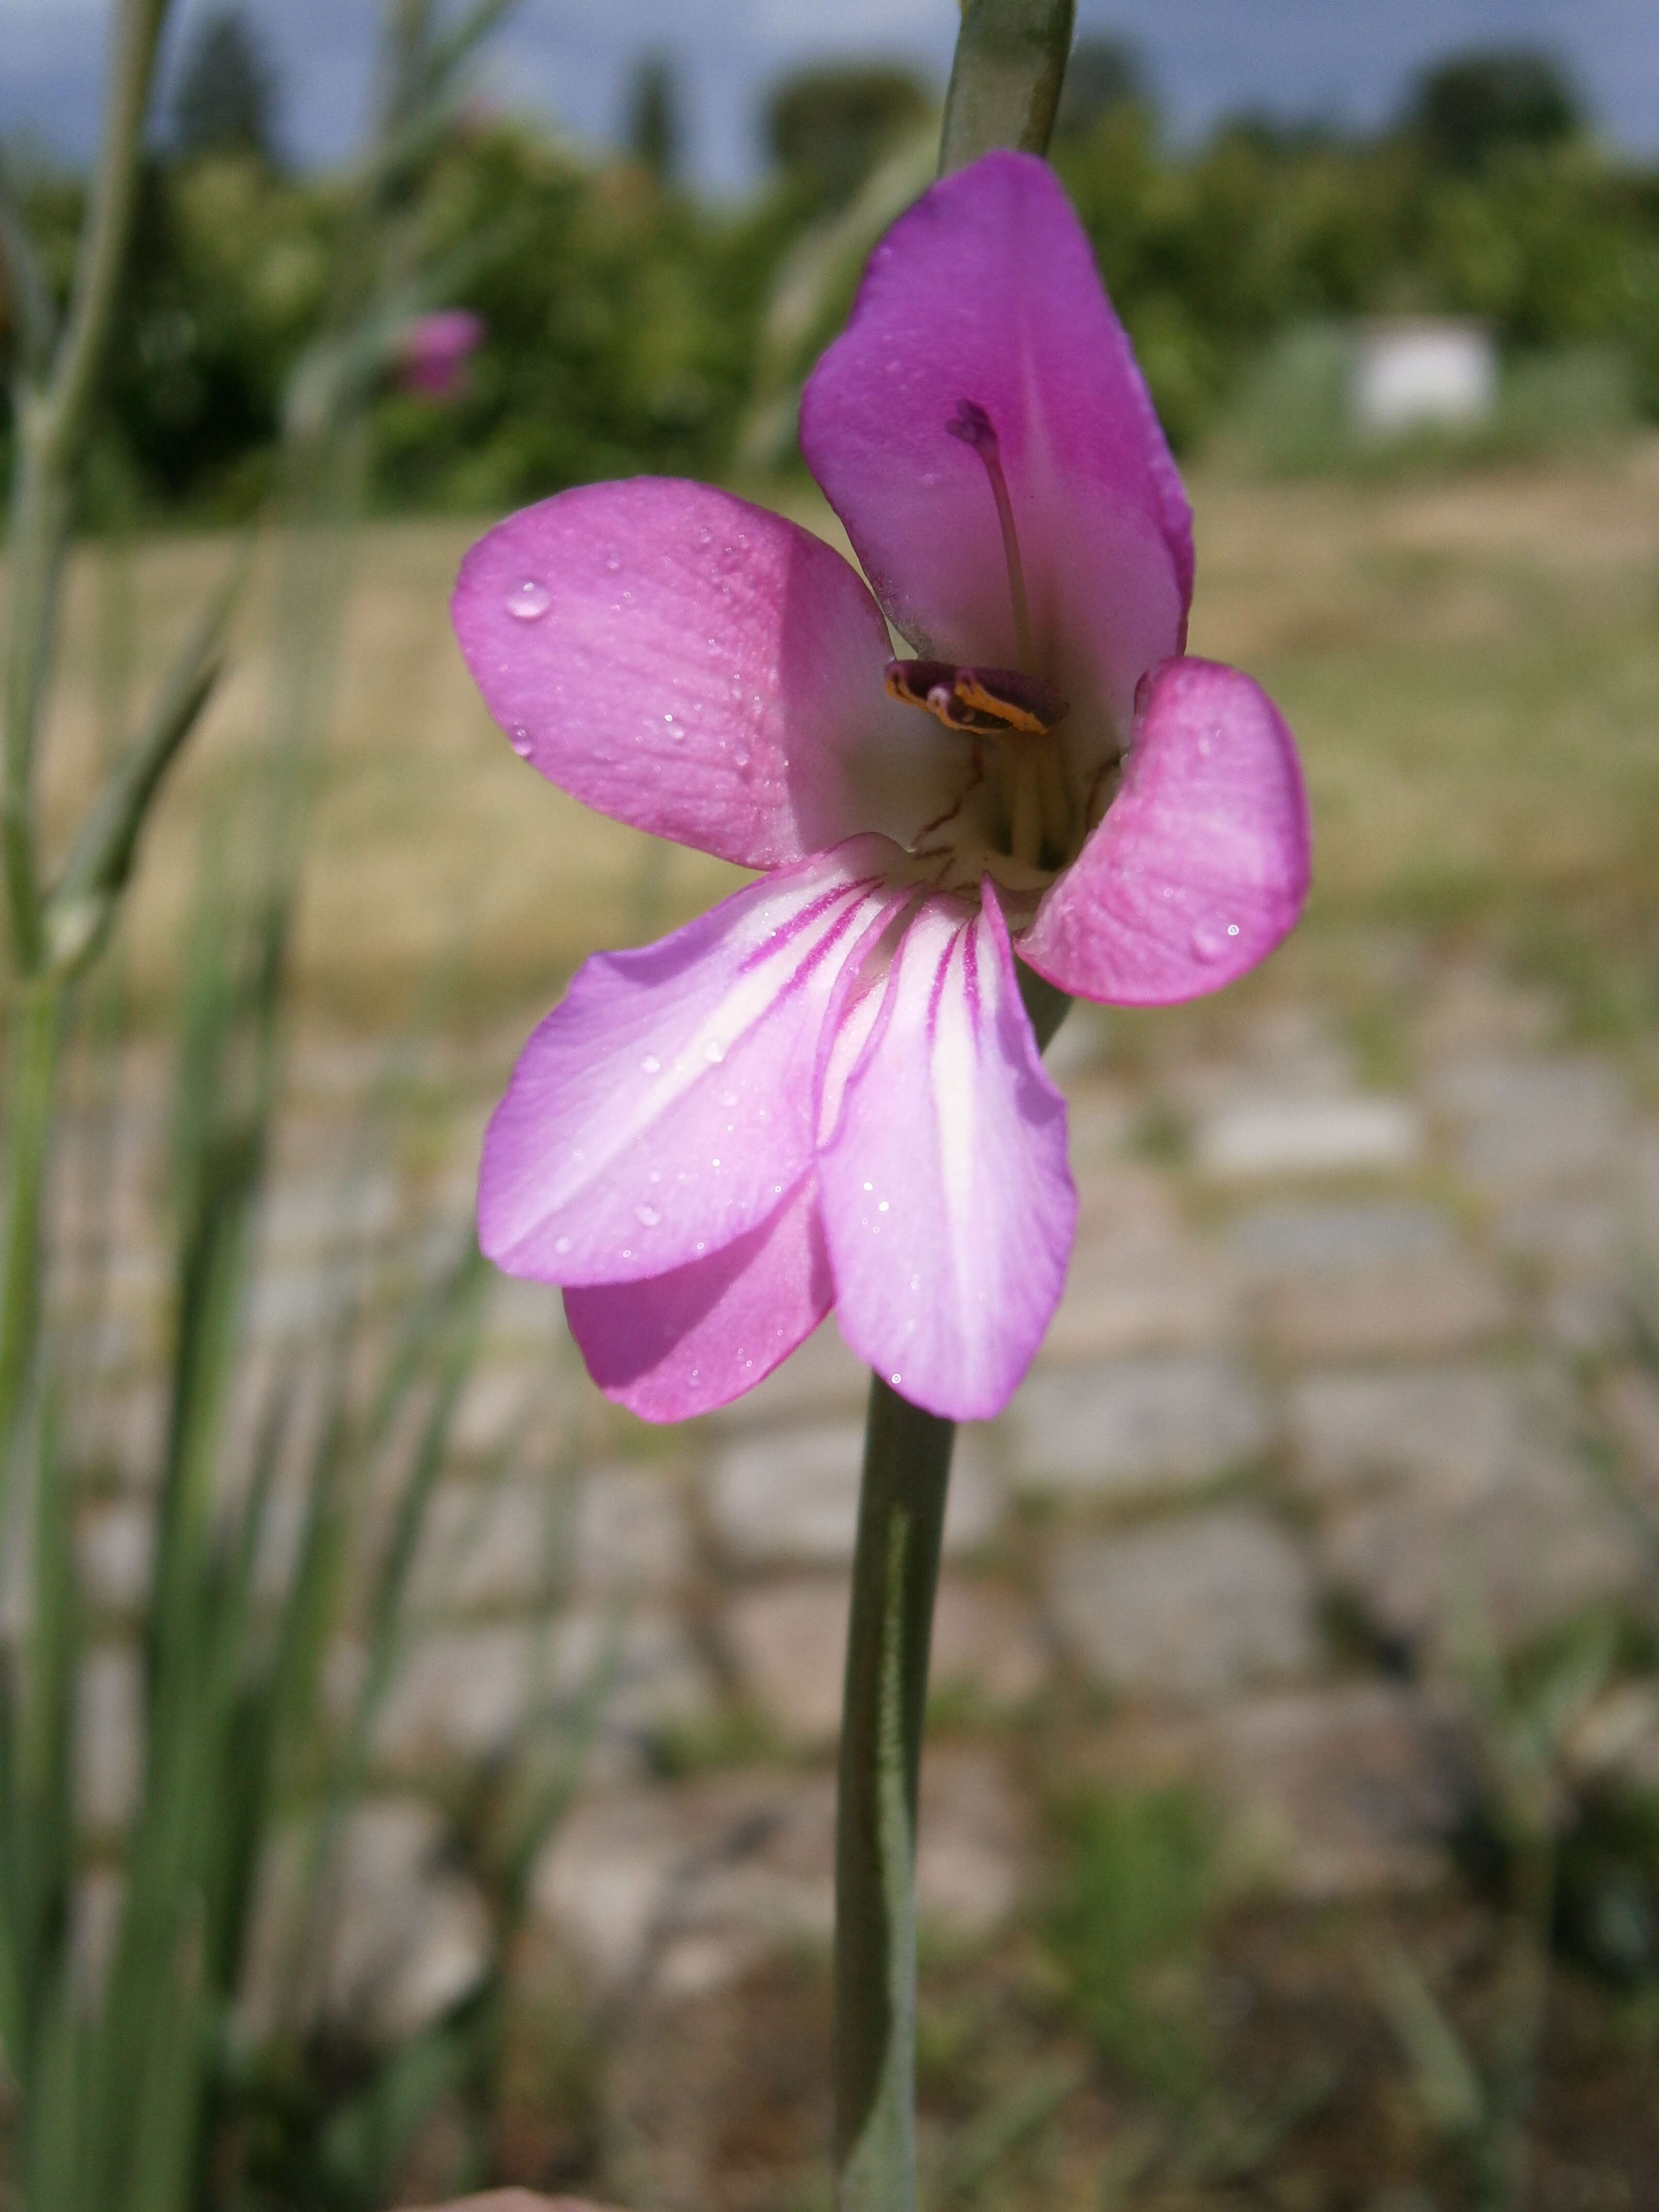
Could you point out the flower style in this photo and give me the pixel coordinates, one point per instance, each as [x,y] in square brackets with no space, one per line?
[827,1090]
[435,350]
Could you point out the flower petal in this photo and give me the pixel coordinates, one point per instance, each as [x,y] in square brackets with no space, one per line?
[692,665]
[947,1201]
[986,292]
[1200,865]
[685,1342]
[668,1104]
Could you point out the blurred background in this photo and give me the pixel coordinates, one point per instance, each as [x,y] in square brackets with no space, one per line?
[452,1754]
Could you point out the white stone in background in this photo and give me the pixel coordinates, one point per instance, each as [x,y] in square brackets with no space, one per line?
[94,1926]
[1330,1793]
[787,1643]
[1523,1124]
[1629,1404]
[1643,1225]
[1512,1560]
[108,1736]
[318,1212]
[1196,1608]
[495,1401]
[1454,1430]
[791,1497]
[820,1376]
[525,1319]
[1126,1425]
[114,1548]
[470,1693]
[1291,1241]
[1588,1317]
[131,1430]
[631,1532]
[1139,1280]
[486,1543]
[297,1303]
[680,1890]
[1565,1236]
[1295,1136]
[1409,371]
[406,1935]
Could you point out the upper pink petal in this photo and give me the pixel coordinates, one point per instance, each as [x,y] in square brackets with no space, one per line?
[947,1201]
[701,1335]
[1200,865]
[987,292]
[688,663]
[668,1104]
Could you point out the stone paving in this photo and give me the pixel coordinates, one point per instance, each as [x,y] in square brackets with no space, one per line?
[1338,1369]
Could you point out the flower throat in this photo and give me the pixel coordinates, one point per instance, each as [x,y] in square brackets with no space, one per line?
[1014,706]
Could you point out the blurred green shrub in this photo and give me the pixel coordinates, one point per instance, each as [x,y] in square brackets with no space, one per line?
[625,317]
[1126,1931]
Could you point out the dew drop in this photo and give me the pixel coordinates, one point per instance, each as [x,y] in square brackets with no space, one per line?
[562,1244]
[647,1216]
[897,1379]
[651,1065]
[1206,946]
[1232,929]
[714,1052]
[882,1206]
[520,738]
[528,601]
[613,561]
[728,1099]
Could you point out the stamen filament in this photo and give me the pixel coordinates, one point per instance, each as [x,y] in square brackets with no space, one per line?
[1025,829]
[1056,801]
[975,427]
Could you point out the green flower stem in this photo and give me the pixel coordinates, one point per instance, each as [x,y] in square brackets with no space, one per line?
[907,1468]
[1005,84]
[1005,87]
[36,1029]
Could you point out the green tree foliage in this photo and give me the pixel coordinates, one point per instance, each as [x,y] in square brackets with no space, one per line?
[227,96]
[1103,73]
[653,117]
[1475,105]
[623,316]
[826,128]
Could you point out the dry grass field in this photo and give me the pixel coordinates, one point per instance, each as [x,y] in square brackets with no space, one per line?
[1471,664]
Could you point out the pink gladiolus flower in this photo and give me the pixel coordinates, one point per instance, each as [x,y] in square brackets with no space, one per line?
[435,350]
[827,1091]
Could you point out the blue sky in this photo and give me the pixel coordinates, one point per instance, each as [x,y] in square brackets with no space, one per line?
[569,59]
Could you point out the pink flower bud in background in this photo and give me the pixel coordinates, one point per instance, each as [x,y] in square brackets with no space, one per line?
[435,350]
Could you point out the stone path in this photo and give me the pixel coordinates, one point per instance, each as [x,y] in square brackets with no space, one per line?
[1339,1369]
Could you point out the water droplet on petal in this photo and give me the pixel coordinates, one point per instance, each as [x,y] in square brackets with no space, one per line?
[882,1206]
[561,1243]
[1206,946]
[613,561]
[714,1052]
[1232,929]
[728,1099]
[897,1379]
[528,601]
[647,1216]
[651,1065]
[520,739]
